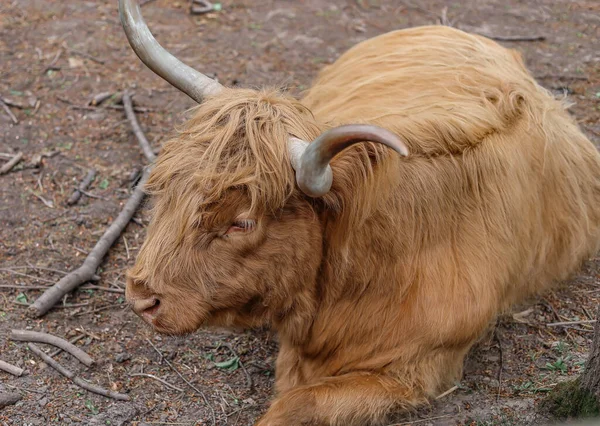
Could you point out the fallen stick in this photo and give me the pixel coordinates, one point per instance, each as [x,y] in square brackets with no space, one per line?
[514,38]
[73,340]
[76,195]
[559,324]
[99,98]
[137,130]
[52,64]
[86,271]
[162,358]
[11,163]
[199,7]
[75,379]
[44,287]
[9,368]
[36,336]
[9,398]
[9,112]
[152,376]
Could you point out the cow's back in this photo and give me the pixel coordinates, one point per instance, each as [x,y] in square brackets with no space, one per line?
[499,173]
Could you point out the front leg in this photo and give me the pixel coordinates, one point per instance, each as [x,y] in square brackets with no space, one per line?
[352,399]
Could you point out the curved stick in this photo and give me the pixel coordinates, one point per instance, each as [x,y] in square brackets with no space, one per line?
[87,271]
[77,380]
[36,336]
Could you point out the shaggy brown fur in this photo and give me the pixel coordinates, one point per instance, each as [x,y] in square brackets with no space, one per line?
[379,289]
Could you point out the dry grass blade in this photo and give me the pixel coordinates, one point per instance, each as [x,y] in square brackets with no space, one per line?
[36,336]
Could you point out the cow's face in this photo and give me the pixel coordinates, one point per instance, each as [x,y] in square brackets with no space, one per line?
[225,265]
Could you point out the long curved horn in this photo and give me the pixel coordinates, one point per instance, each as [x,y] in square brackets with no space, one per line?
[311,161]
[191,82]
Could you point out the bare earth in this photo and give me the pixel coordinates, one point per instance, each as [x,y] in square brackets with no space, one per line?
[248,43]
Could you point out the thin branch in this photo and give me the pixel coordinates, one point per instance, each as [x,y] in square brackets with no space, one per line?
[137,130]
[9,112]
[11,163]
[44,287]
[514,38]
[84,54]
[86,271]
[564,323]
[212,411]
[15,371]
[448,392]
[82,187]
[152,376]
[102,308]
[52,64]
[77,380]
[36,336]
[248,377]
[498,338]
[21,274]
[73,340]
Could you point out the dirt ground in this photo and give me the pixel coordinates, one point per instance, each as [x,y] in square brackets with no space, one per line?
[56,55]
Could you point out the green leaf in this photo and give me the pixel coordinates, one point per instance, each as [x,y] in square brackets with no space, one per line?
[210,357]
[231,364]
[217,7]
[21,298]
[103,184]
[121,299]
[90,406]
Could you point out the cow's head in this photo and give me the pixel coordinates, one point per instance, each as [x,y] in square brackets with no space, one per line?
[236,235]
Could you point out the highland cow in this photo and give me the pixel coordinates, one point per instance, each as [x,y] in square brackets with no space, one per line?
[423,185]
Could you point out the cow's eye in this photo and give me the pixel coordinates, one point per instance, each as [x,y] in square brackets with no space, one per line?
[241,225]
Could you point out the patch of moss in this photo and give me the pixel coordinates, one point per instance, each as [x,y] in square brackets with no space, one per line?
[568,400]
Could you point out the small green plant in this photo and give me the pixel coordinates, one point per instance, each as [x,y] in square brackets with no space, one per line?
[559,365]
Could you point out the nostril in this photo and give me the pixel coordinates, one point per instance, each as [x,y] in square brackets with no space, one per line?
[146,308]
[153,308]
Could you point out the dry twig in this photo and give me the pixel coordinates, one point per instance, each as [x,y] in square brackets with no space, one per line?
[82,187]
[248,377]
[514,38]
[36,336]
[52,64]
[199,7]
[73,341]
[11,163]
[152,376]
[86,271]
[448,392]
[99,98]
[9,112]
[566,323]
[212,411]
[9,368]
[83,54]
[75,379]
[137,130]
